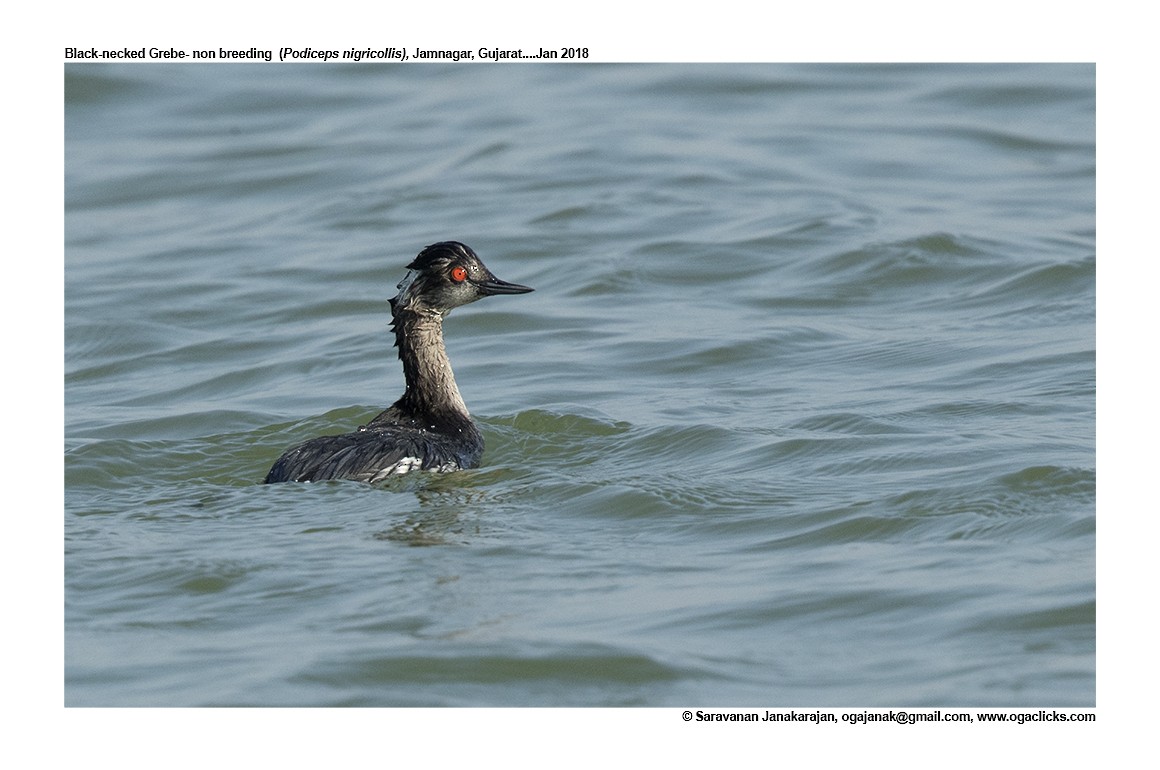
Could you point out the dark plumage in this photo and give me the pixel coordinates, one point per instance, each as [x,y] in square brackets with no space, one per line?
[428,428]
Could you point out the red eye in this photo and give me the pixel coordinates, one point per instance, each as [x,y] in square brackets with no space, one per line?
[459,274]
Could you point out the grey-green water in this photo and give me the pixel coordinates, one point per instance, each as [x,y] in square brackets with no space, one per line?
[801,412]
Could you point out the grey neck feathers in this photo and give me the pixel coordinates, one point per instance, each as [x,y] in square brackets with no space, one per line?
[431,388]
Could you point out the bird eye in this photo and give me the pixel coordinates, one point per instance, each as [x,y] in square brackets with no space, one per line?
[459,274]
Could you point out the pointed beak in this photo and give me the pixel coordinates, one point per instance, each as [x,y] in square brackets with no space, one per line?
[493,285]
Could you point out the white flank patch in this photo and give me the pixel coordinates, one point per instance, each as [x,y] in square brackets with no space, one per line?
[406,465]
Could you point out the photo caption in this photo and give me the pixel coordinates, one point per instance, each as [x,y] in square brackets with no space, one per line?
[292,54]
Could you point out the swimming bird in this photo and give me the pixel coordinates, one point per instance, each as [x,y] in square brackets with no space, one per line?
[429,427]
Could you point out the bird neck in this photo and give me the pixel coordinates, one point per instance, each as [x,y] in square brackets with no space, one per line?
[431,389]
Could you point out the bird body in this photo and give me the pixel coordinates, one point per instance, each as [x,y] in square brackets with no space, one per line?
[429,427]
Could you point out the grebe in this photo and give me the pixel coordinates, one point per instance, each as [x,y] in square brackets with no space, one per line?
[428,428]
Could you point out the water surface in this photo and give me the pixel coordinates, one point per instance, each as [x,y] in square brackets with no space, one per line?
[801,412]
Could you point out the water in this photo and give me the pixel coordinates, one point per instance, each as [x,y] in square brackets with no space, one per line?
[801,412]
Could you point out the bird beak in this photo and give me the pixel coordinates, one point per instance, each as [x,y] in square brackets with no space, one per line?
[494,285]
